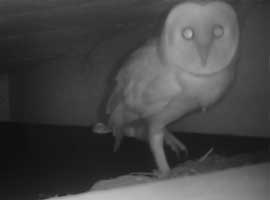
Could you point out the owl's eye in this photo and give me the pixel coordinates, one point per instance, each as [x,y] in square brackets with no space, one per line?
[218,31]
[188,33]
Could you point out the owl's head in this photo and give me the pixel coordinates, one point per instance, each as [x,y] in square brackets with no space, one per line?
[200,38]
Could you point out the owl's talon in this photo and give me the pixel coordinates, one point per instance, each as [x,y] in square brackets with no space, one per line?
[161,175]
[176,145]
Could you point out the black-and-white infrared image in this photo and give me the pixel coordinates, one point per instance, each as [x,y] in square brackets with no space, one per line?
[99,96]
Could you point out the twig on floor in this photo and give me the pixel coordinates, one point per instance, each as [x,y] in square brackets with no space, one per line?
[206,155]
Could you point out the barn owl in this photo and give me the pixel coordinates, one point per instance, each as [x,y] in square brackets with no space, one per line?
[187,68]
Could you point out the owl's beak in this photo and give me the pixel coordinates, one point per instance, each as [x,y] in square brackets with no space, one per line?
[203,51]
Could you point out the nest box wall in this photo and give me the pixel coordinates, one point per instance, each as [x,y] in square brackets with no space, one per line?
[60,57]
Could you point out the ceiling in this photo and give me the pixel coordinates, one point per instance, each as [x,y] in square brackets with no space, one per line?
[33,32]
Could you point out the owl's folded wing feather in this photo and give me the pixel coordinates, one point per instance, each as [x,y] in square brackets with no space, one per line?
[125,103]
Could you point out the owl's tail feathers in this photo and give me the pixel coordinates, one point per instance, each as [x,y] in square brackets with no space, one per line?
[118,134]
[116,123]
[114,126]
[103,129]
[120,122]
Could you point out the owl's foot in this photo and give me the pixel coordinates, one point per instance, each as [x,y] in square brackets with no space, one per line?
[176,145]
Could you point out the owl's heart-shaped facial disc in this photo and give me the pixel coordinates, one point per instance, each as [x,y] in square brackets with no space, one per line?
[201,38]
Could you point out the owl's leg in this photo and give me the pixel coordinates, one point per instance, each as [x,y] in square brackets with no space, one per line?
[174,143]
[176,108]
[156,140]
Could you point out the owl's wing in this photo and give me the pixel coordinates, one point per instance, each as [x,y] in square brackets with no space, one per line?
[115,99]
[123,106]
[134,72]
[115,110]
[144,85]
[117,106]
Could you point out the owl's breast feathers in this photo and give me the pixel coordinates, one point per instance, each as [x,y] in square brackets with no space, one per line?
[146,85]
